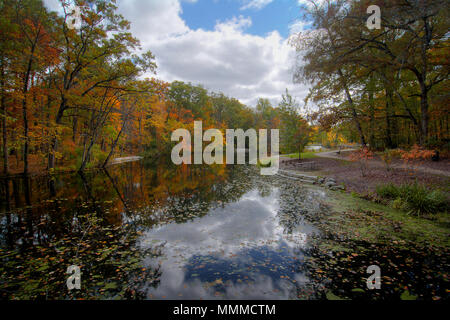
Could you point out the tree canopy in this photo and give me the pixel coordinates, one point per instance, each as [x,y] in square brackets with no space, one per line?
[73,98]
[388,85]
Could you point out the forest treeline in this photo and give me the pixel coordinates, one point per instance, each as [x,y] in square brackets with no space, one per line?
[386,87]
[74,98]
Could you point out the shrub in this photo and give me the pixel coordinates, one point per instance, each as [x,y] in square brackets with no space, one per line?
[420,200]
[398,204]
[354,194]
[362,156]
[415,198]
[386,157]
[416,155]
[388,191]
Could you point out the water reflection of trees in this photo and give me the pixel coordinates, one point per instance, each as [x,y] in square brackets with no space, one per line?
[93,220]
[48,205]
[42,235]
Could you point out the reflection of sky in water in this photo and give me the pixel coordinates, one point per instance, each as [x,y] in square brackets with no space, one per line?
[238,251]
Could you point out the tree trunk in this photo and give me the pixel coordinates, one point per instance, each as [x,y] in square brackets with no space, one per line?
[86,156]
[74,128]
[54,144]
[417,127]
[25,119]
[4,128]
[114,144]
[25,132]
[352,107]
[389,107]
[51,155]
[422,78]
[372,118]
[5,139]
[424,113]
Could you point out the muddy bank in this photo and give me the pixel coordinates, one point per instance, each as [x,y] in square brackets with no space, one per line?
[348,174]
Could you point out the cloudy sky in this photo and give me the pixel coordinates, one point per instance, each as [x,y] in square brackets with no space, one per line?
[238,47]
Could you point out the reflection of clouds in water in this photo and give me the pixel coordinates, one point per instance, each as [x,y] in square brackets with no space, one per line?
[263,287]
[251,222]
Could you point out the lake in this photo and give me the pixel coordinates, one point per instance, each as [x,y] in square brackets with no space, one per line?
[155,231]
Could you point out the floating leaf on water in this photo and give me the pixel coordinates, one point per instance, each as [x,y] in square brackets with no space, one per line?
[331,296]
[358,290]
[111,285]
[407,296]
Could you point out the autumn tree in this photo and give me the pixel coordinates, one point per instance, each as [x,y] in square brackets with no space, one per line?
[391,79]
[103,40]
[295,132]
[332,79]
[27,53]
[411,42]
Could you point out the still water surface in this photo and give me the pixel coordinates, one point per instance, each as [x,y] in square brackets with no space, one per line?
[157,232]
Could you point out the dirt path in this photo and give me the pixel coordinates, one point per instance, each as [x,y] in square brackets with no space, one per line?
[378,163]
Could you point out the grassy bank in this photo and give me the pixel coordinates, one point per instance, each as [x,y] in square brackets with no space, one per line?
[414,198]
[304,155]
[362,220]
[411,251]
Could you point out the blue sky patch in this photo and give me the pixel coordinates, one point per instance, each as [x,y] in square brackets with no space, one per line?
[277,15]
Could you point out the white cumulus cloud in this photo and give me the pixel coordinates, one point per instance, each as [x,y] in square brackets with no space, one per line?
[226,59]
[256,4]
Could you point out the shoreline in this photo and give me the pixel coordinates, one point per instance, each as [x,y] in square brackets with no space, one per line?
[66,170]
